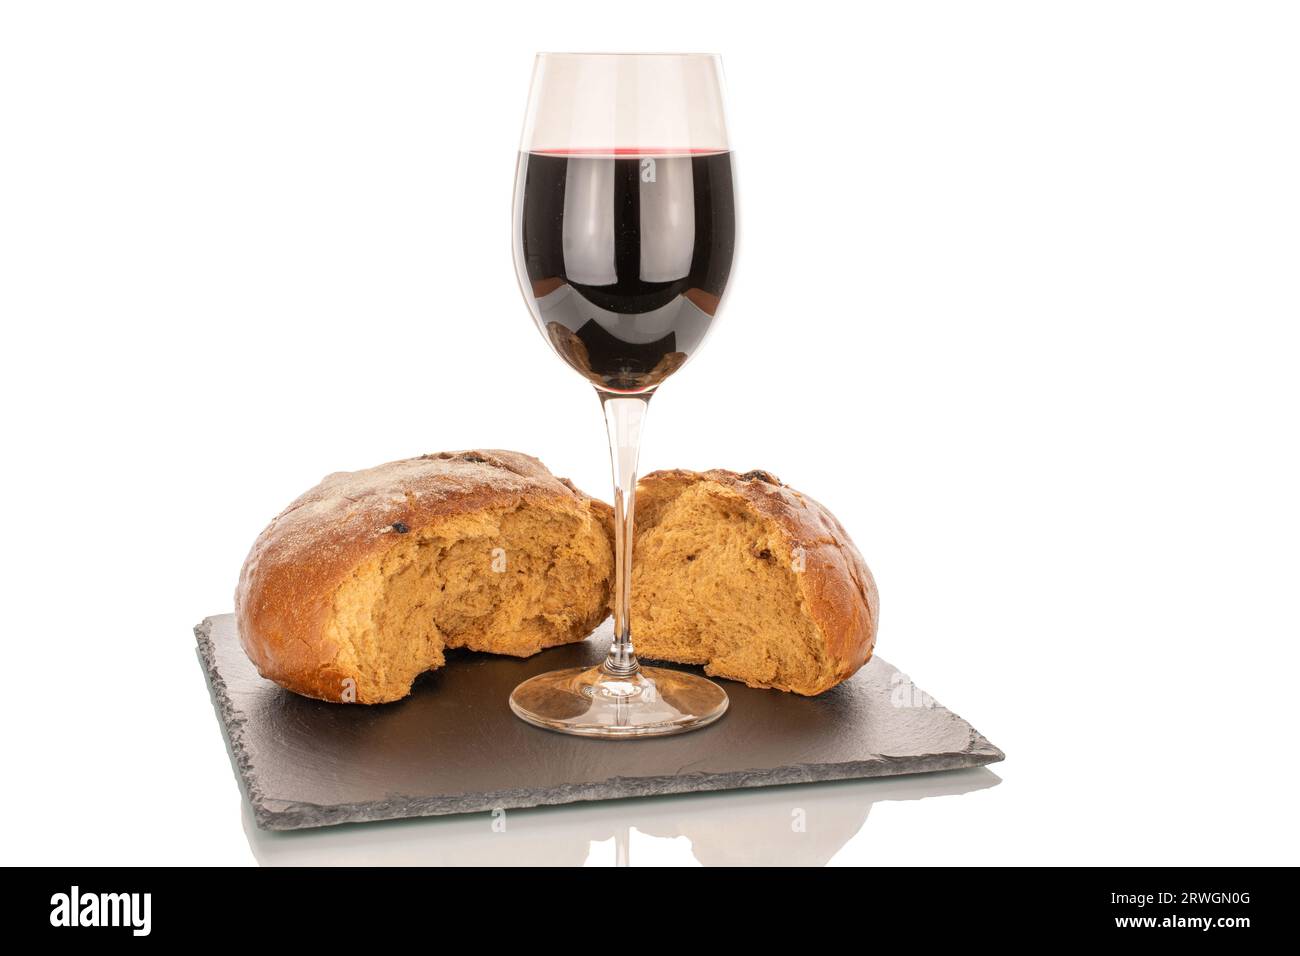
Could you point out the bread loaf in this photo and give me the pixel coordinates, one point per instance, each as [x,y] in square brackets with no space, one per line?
[750,578]
[360,585]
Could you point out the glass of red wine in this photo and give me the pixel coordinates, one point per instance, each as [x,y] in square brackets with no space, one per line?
[625,228]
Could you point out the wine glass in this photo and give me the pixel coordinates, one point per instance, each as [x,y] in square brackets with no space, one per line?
[624,231]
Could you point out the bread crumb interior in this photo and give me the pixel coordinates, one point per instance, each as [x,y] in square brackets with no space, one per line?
[713,584]
[505,581]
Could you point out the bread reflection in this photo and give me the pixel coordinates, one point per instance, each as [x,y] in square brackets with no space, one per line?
[572,347]
[706,302]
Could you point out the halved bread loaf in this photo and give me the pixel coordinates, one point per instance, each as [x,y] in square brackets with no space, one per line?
[750,578]
[359,586]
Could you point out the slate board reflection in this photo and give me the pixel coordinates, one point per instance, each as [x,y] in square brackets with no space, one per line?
[453,746]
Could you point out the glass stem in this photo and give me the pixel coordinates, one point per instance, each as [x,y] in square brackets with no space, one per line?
[623,417]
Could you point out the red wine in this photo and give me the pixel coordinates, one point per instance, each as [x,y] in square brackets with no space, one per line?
[624,256]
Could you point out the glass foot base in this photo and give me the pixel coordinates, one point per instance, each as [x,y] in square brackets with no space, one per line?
[593,703]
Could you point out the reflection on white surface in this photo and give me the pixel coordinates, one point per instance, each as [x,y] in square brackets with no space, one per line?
[802,825]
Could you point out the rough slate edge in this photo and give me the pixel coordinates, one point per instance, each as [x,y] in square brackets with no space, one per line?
[272,814]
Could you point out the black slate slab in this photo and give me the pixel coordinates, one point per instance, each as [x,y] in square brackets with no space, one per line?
[453,746]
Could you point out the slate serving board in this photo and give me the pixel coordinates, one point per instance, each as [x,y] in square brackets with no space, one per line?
[453,746]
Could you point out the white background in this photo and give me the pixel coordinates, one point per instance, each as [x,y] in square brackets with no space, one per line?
[1017,297]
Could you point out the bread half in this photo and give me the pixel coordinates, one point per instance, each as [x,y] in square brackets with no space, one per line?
[750,578]
[361,584]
